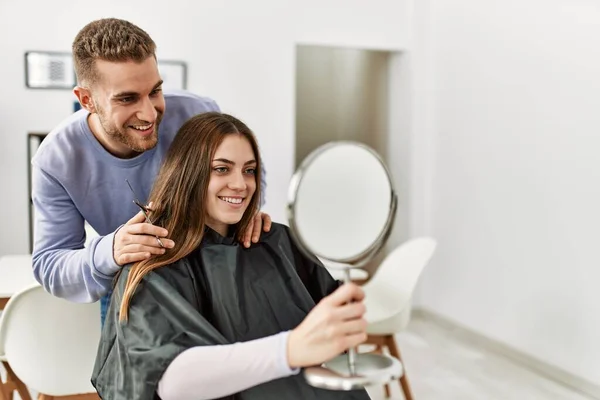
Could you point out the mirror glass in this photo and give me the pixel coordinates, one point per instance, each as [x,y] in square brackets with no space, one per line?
[341,202]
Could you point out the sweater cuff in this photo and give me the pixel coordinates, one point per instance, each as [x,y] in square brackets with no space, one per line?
[104,262]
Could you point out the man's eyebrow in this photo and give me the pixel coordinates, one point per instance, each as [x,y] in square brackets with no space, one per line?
[133,94]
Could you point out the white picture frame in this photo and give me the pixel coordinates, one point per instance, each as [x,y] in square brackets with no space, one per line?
[49,70]
[173,74]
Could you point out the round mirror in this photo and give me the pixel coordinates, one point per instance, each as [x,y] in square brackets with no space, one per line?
[342,203]
[341,209]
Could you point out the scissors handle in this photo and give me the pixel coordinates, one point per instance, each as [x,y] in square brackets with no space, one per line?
[145,211]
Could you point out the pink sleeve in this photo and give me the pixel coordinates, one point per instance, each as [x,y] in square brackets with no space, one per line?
[208,372]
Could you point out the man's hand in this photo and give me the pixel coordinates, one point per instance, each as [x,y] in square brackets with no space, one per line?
[261,221]
[332,327]
[137,241]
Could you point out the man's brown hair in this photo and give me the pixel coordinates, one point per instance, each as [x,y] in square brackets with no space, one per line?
[109,39]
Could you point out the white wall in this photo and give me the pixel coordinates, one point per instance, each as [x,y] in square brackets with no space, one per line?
[515,187]
[239,52]
[341,94]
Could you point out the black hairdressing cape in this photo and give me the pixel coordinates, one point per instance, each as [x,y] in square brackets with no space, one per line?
[221,293]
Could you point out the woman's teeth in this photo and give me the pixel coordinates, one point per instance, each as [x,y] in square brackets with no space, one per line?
[233,200]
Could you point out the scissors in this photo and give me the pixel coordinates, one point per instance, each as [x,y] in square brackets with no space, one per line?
[144,210]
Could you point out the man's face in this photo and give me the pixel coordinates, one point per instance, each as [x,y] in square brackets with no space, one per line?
[129,105]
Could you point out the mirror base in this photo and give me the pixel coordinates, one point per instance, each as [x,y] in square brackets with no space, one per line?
[370,369]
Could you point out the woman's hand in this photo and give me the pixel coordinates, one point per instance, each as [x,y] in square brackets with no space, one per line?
[332,327]
[261,221]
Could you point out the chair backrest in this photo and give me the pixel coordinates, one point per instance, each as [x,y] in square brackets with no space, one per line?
[50,343]
[390,290]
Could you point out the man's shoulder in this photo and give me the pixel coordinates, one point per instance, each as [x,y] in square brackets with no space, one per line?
[68,136]
[277,230]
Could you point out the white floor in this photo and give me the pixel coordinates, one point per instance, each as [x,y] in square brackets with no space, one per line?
[441,365]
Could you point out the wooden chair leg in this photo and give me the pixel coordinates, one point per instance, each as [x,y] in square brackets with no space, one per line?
[15,383]
[388,391]
[5,392]
[395,352]
[386,387]
[85,396]
[6,388]
[380,342]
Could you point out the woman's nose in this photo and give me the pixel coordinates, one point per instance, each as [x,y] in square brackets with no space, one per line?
[237,182]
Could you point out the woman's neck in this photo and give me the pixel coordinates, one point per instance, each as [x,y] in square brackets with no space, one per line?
[220,228]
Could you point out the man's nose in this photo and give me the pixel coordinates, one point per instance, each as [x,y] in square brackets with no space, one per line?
[147,111]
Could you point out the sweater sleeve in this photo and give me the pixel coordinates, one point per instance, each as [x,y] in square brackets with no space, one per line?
[60,262]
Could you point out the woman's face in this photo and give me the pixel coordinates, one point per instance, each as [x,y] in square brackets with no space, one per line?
[232,182]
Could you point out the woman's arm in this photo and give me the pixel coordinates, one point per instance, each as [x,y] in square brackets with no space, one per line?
[208,372]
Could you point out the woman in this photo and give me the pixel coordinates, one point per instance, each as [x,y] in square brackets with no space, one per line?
[211,319]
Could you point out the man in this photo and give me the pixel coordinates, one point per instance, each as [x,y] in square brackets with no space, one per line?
[123,132]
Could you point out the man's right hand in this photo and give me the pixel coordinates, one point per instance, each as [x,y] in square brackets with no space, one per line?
[136,241]
[332,327]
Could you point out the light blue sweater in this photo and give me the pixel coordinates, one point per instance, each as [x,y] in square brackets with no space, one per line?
[75,180]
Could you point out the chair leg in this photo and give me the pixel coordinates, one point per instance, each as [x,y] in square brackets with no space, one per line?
[5,393]
[386,387]
[16,382]
[85,396]
[6,388]
[395,352]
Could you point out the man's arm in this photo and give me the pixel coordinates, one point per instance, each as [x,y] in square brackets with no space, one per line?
[60,262]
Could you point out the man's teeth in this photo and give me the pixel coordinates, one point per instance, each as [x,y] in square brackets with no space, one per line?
[233,200]
[142,127]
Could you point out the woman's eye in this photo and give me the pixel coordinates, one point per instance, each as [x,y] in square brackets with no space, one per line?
[221,170]
[251,171]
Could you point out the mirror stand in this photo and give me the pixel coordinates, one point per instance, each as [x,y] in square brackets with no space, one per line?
[324,230]
[353,370]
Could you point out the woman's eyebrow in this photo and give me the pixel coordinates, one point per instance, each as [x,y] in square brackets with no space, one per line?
[226,161]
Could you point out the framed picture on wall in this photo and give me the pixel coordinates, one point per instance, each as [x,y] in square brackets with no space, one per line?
[173,73]
[49,70]
[34,140]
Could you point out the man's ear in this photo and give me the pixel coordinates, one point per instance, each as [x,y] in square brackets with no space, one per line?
[85,98]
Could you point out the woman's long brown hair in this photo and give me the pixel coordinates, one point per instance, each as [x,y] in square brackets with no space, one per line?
[179,193]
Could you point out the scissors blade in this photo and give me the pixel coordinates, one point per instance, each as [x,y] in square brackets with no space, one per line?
[144,210]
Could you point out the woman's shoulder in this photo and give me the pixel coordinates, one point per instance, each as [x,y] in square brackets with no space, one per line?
[170,281]
[175,274]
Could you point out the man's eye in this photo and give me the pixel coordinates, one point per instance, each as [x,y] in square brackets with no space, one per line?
[126,99]
[156,91]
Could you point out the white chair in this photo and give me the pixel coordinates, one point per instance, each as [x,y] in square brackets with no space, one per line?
[16,272]
[51,343]
[388,297]
[12,383]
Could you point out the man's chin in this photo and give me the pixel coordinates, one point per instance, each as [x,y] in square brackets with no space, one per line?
[141,145]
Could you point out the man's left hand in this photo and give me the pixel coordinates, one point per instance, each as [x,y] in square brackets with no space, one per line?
[261,221]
